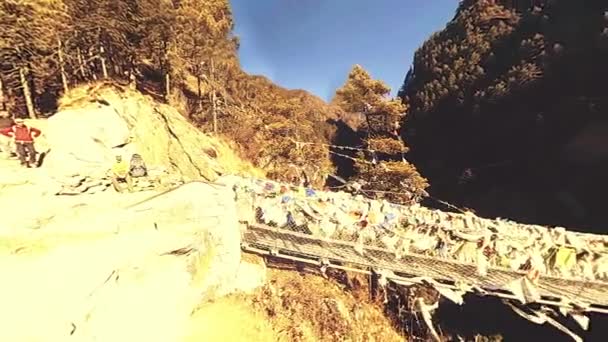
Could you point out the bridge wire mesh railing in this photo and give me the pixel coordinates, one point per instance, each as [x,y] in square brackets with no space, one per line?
[456,249]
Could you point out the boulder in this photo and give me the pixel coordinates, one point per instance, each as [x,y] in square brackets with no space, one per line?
[164,137]
[86,134]
[136,273]
[81,141]
[196,207]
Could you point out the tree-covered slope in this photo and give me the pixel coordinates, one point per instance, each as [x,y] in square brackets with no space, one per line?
[182,52]
[507,110]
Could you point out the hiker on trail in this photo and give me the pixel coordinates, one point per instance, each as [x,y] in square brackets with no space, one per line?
[24,141]
[120,174]
[138,167]
[6,143]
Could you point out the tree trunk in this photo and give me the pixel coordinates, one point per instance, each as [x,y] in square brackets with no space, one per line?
[132,76]
[92,66]
[132,80]
[2,96]
[167,85]
[214,111]
[64,77]
[27,94]
[118,70]
[198,89]
[102,58]
[81,64]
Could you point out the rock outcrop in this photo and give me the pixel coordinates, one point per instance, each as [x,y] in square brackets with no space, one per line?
[97,123]
[135,273]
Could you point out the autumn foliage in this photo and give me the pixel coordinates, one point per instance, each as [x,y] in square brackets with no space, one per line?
[182,52]
[382,168]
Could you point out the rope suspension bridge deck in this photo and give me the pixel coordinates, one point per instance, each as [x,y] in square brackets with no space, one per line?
[590,296]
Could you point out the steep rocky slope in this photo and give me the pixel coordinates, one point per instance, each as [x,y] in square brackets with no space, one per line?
[506,110]
[105,120]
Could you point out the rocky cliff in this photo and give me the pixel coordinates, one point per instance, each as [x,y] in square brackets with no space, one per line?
[98,122]
[506,110]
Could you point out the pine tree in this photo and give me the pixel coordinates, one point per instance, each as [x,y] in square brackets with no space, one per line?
[156,28]
[202,29]
[383,169]
[105,35]
[29,48]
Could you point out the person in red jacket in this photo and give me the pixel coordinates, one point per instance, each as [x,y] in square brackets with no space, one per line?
[24,141]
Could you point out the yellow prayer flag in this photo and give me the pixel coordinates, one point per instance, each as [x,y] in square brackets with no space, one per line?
[565,258]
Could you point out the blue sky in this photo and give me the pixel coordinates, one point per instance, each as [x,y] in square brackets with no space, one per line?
[312,44]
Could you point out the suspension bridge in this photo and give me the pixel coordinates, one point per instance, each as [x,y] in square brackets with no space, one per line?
[337,251]
[589,296]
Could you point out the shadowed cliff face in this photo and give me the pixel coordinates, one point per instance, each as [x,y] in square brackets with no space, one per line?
[508,108]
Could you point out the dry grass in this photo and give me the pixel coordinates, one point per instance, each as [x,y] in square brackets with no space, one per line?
[306,307]
[295,306]
[81,96]
[226,155]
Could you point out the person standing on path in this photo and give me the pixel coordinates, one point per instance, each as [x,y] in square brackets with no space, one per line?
[23,136]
